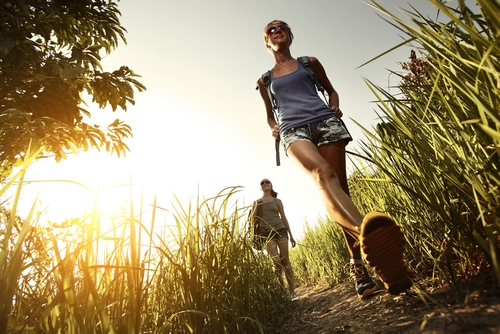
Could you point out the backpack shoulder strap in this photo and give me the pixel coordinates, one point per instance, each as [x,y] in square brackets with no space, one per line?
[266,83]
[306,62]
[266,78]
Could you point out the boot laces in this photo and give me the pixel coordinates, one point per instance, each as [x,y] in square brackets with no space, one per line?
[357,272]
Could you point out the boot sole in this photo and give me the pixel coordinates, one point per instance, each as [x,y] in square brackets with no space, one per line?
[383,244]
[370,292]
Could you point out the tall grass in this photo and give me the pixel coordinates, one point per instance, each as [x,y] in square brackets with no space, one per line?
[194,272]
[435,152]
[227,288]
[321,255]
[14,233]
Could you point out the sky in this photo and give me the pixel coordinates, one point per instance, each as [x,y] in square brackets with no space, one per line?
[200,126]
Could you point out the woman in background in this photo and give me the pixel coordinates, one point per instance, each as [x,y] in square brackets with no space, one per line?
[277,232]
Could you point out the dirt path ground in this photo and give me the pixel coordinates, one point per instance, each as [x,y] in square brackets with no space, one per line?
[338,310]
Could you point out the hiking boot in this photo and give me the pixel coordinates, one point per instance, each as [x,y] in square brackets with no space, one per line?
[383,244]
[364,284]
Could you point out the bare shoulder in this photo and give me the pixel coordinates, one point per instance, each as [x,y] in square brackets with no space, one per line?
[318,68]
[315,61]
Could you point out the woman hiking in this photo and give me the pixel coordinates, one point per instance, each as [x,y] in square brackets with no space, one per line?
[314,137]
[270,210]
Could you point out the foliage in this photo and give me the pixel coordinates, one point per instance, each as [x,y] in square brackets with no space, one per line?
[50,53]
[13,255]
[321,255]
[131,273]
[228,287]
[436,148]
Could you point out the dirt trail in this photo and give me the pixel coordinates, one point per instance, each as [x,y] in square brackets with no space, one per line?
[338,310]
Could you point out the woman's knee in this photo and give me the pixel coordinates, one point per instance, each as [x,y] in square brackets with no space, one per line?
[324,174]
[285,262]
[278,267]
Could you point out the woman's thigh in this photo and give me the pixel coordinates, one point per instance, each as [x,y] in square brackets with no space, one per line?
[307,156]
[273,250]
[283,249]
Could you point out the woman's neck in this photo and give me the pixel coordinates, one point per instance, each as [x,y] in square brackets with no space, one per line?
[266,194]
[281,58]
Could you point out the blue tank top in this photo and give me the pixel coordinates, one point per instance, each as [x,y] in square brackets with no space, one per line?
[297,100]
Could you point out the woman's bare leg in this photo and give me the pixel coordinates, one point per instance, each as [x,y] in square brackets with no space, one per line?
[285,263]
[273,251]
[278,250]
[334,154]
[326,165]
[337,202]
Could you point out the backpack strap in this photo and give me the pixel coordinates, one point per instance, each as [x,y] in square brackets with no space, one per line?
[266,83]
[266,79]
[306,62]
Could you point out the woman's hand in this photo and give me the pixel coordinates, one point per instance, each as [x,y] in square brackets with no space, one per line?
[276,132]
[292,241]
[337,111]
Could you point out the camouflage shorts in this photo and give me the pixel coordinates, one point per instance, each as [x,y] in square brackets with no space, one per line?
[326,131]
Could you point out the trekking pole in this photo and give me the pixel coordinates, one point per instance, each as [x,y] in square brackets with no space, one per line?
[277,142]
[277,146]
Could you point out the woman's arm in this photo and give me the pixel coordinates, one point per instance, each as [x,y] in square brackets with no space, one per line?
[285,221]
[333,96]
[271,121]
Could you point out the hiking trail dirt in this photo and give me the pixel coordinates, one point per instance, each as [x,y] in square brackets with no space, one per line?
[338,310]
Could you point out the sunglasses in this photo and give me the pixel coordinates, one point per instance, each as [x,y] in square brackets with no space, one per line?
[273,29]
[265,182]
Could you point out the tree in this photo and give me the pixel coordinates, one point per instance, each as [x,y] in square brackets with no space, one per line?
[50,54]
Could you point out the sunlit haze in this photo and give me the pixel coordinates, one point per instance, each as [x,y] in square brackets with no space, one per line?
[201,126]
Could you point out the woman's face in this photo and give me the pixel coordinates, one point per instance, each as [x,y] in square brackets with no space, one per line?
[266,184]
[277,33]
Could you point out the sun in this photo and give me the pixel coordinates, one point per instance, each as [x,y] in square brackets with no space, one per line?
[83,184]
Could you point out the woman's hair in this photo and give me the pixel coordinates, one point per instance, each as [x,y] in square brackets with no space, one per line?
[266,37]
